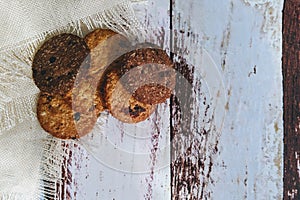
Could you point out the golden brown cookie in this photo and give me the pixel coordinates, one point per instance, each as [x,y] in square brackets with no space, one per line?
[118,101]
[57,62]
[95,41]
[85,97]
[64,118]
[94,38]
[105,46]
[147,74]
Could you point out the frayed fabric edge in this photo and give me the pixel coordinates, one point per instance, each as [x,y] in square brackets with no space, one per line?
[15,196]
[119,19]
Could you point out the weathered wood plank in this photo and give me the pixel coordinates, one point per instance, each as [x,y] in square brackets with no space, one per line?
[244,40]
[195,131]
[291,86]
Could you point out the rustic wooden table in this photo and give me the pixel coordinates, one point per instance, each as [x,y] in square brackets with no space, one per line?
[224,139]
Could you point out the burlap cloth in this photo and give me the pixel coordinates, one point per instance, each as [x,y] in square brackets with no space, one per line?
[30,158]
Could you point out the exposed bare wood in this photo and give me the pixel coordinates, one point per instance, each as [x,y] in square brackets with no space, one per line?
[291,83]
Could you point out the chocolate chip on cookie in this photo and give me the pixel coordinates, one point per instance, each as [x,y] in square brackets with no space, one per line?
[56,63]
[59,117]
[122,105]
[147,74]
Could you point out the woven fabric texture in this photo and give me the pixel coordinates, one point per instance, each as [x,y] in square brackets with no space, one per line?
[28,154]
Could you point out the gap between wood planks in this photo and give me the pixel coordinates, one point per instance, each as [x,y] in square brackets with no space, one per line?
[291,98]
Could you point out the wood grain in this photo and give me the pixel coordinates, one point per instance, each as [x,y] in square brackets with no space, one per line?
[291,83]
[194,136]
[245,161]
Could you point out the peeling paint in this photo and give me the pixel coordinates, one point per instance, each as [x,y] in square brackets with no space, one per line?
[272,14]
[224,44]
[227,106]
[297,157]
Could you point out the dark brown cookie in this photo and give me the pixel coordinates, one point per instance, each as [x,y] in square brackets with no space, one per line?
[56,63]
[122,105]
[147,74]
[65,118]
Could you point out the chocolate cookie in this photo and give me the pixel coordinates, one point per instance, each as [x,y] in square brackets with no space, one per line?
[122,105]
[61,118]
[147,74]
[56,63]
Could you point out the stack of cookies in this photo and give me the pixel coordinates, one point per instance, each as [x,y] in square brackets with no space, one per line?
[81,77]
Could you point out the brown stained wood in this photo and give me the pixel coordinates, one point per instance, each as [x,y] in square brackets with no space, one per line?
[154,16]
[191,161]
[184,174]
[291,86]
[62,187]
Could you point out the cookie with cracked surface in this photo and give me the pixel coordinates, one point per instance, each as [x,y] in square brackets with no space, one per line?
[85,97]
[147,74]
[122,105]
[61,118]
[57,61]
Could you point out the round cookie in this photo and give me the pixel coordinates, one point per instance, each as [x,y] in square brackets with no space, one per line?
[147,74]
[61,118]
[56,63]
[122,105]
